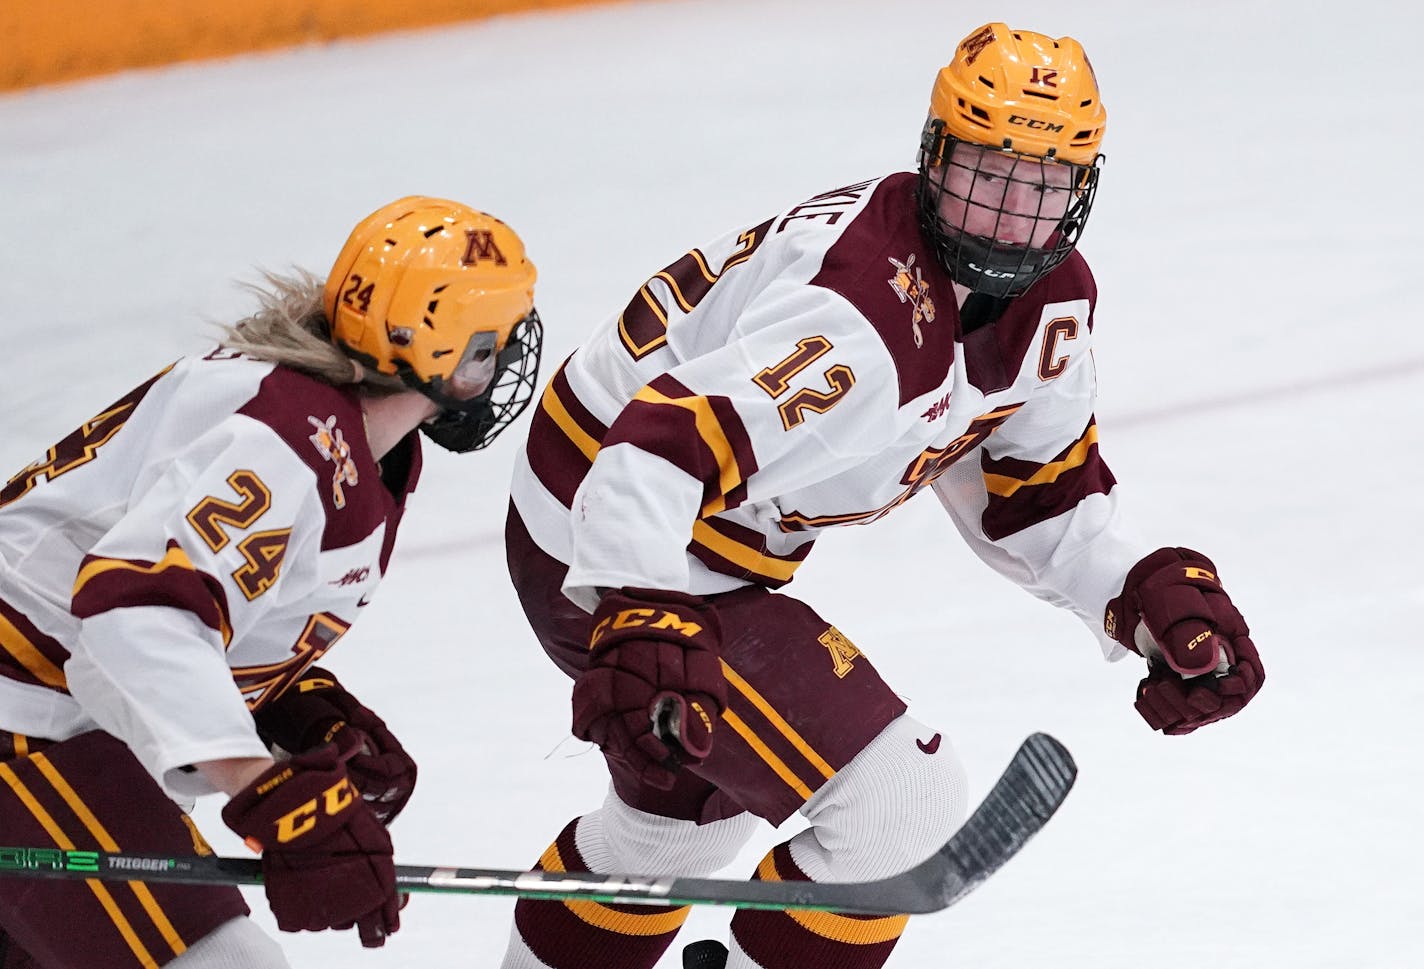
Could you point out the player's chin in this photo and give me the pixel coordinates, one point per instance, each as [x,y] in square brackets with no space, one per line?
[465,389]
[471,379]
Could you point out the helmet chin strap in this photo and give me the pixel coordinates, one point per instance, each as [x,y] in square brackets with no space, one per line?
[461,425]
[461,431]
[994,270]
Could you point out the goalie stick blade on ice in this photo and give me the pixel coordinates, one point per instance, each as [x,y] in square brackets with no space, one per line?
[1020,803]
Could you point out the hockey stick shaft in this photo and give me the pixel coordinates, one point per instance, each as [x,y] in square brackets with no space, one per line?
[1025,797]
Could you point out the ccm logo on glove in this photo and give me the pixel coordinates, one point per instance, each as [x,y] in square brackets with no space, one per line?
[654,688]
[326,859]
[294,824]
[632,618]
[1202,664]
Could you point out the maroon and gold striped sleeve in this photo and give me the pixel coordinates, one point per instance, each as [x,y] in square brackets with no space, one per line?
[732,549]
[1024,493]
[701,435]
[114,583]
[27,655]
[564,438]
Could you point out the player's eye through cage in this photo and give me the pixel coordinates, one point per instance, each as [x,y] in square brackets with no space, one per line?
[473,424]
[1000,220]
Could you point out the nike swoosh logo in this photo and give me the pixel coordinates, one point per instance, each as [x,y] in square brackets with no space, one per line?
[929,746]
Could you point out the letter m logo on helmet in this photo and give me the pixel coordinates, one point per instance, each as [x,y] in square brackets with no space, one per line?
[481,244]
[442,296]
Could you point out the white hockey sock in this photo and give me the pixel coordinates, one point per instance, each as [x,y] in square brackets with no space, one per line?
[236,944]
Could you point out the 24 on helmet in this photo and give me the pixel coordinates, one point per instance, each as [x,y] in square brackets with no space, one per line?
[442,296]
[1009,157]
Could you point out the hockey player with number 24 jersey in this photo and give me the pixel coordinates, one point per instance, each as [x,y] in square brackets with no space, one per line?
[922,331]
[171,572]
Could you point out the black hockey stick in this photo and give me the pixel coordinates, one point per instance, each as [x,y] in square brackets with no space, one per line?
[1025,797]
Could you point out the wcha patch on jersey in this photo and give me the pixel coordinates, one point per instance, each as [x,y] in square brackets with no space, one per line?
[331,444]
[352,577]
[910,286]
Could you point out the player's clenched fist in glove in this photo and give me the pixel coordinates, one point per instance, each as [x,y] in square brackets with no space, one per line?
[313,710]
[1202,665]
[653,672]
[326,860]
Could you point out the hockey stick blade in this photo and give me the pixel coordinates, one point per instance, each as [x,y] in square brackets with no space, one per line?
[1031,789]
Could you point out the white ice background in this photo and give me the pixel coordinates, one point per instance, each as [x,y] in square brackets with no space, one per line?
[1260,348]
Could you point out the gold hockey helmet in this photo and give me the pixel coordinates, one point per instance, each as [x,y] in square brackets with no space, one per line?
[1021,91]
[441,295]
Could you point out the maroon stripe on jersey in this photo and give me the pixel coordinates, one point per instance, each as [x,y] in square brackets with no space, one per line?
[643,324]
[108,583]
[561,435]
[754,544]
[324,427]
[669,429]
[795,939]
[28,655]
[1023,493]
[741,443]
[582,417]
[581,934]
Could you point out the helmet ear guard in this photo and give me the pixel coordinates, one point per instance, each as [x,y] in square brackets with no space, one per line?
[1032,100]
[442,296]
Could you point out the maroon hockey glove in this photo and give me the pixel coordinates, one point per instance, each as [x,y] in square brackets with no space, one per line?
[654,689]
[1202,665]
[310,713]
[326,860]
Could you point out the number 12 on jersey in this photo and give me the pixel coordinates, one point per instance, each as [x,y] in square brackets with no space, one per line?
[776,381]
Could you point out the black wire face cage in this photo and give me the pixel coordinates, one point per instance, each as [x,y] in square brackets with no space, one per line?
[468,425]
[983,261]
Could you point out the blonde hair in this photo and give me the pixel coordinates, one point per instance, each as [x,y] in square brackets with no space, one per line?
[290,329]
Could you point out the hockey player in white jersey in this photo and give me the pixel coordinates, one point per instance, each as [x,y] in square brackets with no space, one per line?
[925,330]
[171,572]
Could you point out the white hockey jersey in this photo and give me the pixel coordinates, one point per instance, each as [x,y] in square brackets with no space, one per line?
[186,554]
[811,372]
